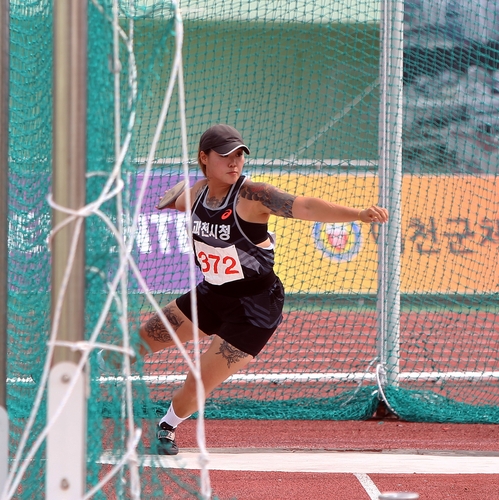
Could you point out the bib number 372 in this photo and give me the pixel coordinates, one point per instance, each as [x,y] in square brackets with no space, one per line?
[218,265]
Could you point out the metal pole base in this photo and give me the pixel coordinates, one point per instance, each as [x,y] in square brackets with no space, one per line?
[66,440]
[4,447]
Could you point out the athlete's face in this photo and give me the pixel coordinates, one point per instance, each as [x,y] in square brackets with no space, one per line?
[226,169]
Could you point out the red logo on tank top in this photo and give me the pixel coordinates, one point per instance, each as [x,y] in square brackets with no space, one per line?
[226,214]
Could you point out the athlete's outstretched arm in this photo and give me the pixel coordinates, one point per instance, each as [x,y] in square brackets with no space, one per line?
[316,209]
[278,202]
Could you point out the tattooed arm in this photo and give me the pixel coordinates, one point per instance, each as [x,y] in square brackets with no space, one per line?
[274,201]
[271,201]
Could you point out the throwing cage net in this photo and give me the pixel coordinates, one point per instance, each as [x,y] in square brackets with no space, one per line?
[318,90]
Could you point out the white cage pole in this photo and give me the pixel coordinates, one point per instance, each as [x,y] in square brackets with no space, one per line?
[66,451]
[4,227]
[390,187]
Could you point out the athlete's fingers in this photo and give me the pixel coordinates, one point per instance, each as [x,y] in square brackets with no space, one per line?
[374,214]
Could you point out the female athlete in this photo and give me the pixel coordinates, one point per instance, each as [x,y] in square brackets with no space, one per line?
[240,299]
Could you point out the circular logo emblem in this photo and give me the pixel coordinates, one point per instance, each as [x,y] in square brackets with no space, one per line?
[338,241]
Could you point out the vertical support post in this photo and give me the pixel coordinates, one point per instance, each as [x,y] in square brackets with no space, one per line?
[4,228]
[390,187]
[66,467]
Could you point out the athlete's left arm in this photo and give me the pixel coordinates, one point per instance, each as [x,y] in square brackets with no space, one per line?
[275,201]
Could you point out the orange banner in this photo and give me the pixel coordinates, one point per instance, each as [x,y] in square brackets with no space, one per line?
[450,236]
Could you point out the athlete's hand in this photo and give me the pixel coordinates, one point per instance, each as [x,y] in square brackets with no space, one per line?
[374,214]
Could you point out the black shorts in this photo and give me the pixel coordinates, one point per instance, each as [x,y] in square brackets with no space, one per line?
[247,323]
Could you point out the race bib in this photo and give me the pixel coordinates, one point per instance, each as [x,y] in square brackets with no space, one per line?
[218,265]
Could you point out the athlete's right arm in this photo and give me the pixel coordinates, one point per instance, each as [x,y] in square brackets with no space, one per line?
[180,204]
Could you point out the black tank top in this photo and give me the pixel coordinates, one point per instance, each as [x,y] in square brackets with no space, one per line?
[224,252]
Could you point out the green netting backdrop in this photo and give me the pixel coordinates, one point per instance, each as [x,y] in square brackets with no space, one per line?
[300,80]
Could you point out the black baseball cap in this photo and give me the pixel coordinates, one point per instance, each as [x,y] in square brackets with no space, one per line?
[223,139]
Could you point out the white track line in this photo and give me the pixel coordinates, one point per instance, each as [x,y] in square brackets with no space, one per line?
[280,377]
[368,485]
[325,462]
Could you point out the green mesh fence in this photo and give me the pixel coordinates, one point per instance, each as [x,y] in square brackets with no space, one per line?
[301,81]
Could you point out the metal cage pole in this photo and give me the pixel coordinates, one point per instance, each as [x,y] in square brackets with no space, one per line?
[4,228]
[66,465]
[390,187]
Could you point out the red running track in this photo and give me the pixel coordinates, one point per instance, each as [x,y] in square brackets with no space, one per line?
[334,341]
[345,343]
[323,436]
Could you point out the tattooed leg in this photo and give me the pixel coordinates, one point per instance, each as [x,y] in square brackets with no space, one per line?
[155,329]
[230,353]
[218,363]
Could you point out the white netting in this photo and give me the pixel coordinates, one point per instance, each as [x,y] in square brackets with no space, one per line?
[117,286]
